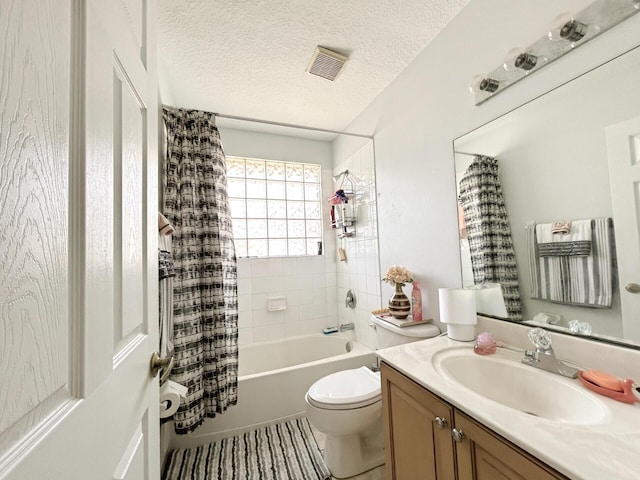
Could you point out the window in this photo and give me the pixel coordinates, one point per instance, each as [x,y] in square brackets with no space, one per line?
[275,207]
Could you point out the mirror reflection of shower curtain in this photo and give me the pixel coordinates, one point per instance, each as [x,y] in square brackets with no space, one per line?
[492,256]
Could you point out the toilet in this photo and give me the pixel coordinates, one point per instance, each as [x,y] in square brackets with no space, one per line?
[347,407]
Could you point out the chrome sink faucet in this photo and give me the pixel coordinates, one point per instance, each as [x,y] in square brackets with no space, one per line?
[544,357]
[346,326]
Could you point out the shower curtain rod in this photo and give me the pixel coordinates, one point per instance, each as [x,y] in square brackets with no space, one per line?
[465,153]
[290,125]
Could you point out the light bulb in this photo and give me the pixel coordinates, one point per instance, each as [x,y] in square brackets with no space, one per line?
[518,59]
[482,83]
[566,27]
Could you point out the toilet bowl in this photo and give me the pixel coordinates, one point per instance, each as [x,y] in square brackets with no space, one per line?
[347,407]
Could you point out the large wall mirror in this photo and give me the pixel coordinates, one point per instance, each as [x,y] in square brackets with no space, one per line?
[571,155]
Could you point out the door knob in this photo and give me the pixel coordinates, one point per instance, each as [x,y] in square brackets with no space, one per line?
[632,288]
[157,363]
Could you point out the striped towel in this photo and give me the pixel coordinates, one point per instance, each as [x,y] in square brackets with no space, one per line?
[575,280]
[554,244]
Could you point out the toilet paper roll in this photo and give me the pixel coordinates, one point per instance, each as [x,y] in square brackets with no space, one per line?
[457,306]
[170,395]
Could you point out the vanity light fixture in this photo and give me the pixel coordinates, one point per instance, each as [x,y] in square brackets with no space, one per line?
[567,33]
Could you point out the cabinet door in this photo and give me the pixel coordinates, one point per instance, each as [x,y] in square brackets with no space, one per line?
[482,455]
[416,448]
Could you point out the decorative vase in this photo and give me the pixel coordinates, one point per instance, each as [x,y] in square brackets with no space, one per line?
[399,304]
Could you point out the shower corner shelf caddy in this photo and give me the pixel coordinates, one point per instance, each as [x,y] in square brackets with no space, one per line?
[343,215]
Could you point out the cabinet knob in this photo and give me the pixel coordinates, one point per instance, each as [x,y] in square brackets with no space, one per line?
[457,434]
[440,422]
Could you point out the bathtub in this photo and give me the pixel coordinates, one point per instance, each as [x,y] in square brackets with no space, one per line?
[273,379]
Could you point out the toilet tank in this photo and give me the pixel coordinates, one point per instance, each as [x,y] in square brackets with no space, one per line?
[389,335]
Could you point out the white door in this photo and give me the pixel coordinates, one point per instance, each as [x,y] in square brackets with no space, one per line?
[623,151]
[78,233]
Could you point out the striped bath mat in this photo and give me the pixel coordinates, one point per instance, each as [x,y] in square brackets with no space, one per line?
[285,451]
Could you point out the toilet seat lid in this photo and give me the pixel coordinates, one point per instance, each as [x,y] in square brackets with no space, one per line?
[354,388]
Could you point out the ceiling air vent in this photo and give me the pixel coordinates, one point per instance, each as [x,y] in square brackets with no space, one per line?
[326,64]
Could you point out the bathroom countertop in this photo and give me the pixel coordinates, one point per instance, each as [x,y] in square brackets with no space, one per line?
[610,449]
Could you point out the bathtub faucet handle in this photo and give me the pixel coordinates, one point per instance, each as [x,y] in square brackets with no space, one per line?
[350,300]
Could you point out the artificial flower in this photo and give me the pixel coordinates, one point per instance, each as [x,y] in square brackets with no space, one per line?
[397,274]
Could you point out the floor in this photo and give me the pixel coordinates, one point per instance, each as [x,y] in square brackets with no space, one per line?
[375,474]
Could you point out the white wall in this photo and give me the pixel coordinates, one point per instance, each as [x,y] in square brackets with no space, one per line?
[416,118]
[307,283]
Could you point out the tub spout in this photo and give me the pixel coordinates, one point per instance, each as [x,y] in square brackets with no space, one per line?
[347,326]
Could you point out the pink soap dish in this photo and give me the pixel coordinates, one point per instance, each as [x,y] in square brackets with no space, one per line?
[625,395]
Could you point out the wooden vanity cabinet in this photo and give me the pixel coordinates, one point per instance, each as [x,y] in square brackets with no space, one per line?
[416,448]
[419,440]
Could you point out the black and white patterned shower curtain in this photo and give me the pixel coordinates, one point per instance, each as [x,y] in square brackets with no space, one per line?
[493,258]
[205,287]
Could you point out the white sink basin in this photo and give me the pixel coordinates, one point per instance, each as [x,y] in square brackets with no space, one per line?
[503,379]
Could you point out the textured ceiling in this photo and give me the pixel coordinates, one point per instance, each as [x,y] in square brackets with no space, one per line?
[248,57]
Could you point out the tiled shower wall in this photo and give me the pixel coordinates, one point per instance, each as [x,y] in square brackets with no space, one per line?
[314,287]
[308,285]
[361,271]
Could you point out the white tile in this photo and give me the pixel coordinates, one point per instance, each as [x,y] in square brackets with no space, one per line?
[275,266]
[305,281]
[244,286]
[259,301]
[330,264]
[332,309]
[307,265]
[319,280]
[245,303]
[307,312]
[374,302]
[264,317]
[244,268]
[293,298]
[362,283]
[305,296]
[290,266]
[373,285]
[260,284]
[319,296]
[292,314]
[245,336]
[361,265]
[292,329]
[260,268]
[245,320]
[260,318]
[308,327]
[267,333]
[275,285]
[290,283]
[331,321]
[319,309]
